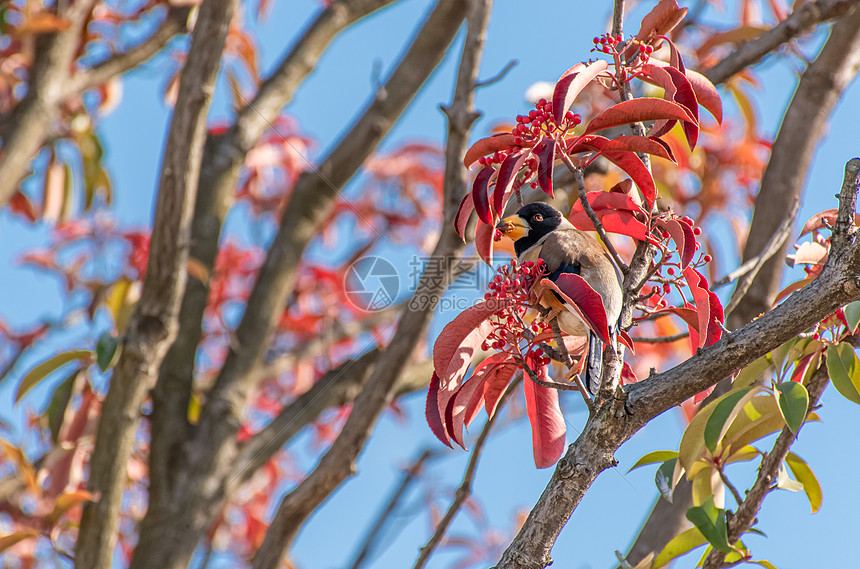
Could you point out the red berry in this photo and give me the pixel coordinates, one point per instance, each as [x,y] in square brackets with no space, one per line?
[667,289]
[670,270]
[697,231]
[707,258]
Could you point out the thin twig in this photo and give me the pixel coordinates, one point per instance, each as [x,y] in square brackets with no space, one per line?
[409,476]
[548,384]
[777,239]
[660,339]
[498,76]
[118,63]
[729,485]
[598,226]
[465,489]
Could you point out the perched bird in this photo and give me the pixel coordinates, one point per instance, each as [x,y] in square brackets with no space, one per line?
[539,231]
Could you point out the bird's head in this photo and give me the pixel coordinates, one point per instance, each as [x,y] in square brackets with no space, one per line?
[531,222]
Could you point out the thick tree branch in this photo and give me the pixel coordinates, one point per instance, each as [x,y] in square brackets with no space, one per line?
[745,516]
[465,489]
[799,22]
[223,156]
[339,462]
[338,386]
[803,126]
[174,23]
[25,130]
[154,323]
[171,529]
[617,419]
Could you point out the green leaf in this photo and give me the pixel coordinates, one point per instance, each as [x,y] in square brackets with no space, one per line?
[752,372]
[56,410]
[654,456]
[711,521]
[844,371]
[852,315]
[743,454]
[805,476]
[107,350]
[724,413]
[793,402]
[38,373]
[760,419]
[663,479]
[682,543]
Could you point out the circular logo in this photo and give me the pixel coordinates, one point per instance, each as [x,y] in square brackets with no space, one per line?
[371,283]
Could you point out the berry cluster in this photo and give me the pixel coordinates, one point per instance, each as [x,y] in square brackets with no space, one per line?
[513,282]
[530,127]
[606,43]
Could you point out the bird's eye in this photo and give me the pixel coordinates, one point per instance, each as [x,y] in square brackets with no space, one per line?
[537,218]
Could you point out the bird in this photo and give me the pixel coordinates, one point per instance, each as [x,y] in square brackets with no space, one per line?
[539,231]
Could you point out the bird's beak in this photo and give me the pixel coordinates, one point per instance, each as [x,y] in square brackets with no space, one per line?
[514,227]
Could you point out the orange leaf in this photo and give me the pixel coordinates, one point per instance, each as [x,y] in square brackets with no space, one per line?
[488,145]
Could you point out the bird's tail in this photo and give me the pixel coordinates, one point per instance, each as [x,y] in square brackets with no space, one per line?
[594,365]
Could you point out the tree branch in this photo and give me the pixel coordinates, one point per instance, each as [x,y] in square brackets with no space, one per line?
[154,323]
[804,123]
[339,461]
[409,476]
[799,22]
[465,489]
[174,23]
[223,156]
[776,242]
[171,529]
[744,518]
[619,418]
[25,130]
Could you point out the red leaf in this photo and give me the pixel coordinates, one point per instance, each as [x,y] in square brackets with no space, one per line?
[666,146]
[620,222]
[586,302]
[708,307]
[625,339]
[505,182]
[627,375]
[457,344]
[495,386]
[484,242]
[465,404]
[21,204]
[640,144]
[488,145]
[431,411]
[705,91]
[627,161]
[571,83]
[546,420]
[545,152]
[481,194]
[802,366]
[791,288]
[461,220]
[660,20]
[684,238]
[637,110]
[684,95]
[688,315]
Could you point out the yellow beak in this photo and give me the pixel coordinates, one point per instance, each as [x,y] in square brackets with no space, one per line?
[514,227]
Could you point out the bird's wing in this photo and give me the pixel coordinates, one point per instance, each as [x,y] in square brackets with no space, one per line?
[573,251]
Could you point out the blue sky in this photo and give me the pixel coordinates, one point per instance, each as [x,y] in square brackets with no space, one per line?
[546,37]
